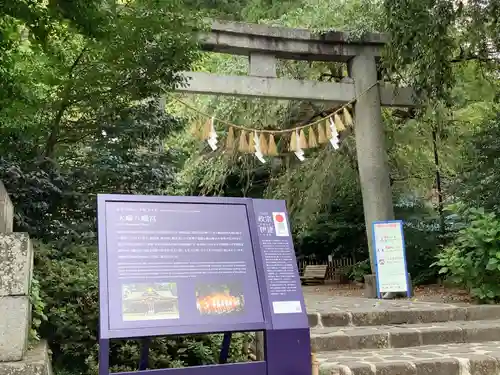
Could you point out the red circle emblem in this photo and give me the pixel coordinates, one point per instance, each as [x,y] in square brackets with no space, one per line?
[280,218]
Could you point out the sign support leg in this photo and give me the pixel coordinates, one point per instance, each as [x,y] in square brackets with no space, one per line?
[295,359]
[408,282]
[144,361]
[224,350]
[103,356]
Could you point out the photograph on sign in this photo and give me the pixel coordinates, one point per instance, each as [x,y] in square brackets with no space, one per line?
[180,264]
[150,301]
[392,274]
[220,299]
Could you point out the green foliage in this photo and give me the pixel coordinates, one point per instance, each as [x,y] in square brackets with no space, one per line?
[38,310]
[42,16]
[68,281]
[357,271]
[421,45]
[427,38]
[473,259]
[480,178]
[126,156]
[356,17]
[423,237]
[65,85]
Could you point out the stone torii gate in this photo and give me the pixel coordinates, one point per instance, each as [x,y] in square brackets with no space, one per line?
[264,45]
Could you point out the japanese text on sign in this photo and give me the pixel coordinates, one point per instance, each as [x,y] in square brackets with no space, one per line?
[390,256]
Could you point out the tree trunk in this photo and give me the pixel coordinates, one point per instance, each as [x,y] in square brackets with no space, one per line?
[55,129]
[442,228]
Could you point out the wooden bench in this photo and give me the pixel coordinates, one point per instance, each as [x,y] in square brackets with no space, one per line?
[314,274]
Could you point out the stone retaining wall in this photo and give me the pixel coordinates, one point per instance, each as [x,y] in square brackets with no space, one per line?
[16,271]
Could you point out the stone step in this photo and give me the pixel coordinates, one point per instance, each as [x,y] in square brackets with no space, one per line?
[36,361]
[405,335]
[447,359]
[378,313]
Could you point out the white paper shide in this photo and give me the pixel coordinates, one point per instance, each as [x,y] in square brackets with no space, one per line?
[390,257]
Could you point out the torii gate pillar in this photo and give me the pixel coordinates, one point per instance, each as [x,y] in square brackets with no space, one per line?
[373,164]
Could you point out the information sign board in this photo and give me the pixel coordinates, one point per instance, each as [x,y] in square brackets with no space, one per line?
[185,265]
[390,257]
[280,264]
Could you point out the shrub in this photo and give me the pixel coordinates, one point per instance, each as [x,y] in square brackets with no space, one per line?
[357,271]
[473,259]
[37,311]
[422,243]
[68,286]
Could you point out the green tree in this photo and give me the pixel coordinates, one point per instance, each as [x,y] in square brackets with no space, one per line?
[428,38]
[78,78]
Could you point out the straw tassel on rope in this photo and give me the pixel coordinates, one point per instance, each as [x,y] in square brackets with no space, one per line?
[230,139]
[327,127]
[196,129]
[347,117]
[299,152]
[263,144]
[339,125]
[272,149]
[207,128]
[243,143]
[321,133]
[251,146]
[303,140]
[293,141]
[301,137]
[313,143]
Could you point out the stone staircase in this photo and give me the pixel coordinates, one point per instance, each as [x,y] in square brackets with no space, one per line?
[372,337]
[17,357]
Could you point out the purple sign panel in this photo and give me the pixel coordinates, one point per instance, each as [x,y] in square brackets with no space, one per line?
[186,267]
[280,266]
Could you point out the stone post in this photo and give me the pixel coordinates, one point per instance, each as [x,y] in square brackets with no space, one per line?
[16,267]
[6,211]
[371,151]
[262,65]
